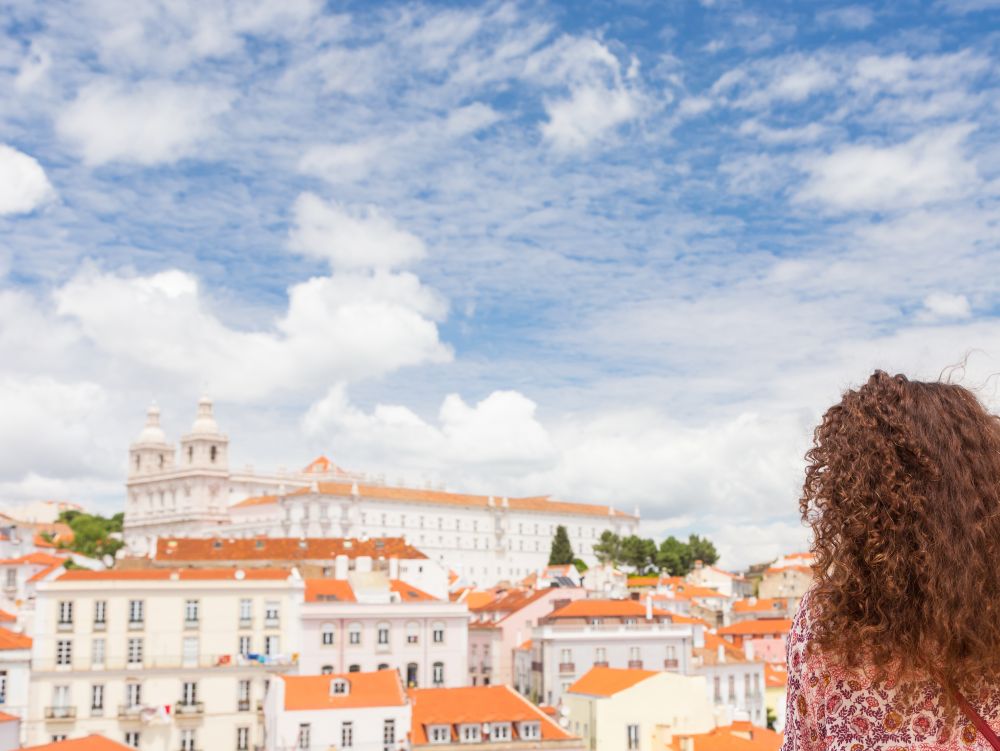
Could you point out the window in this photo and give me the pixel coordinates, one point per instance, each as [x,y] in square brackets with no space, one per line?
[732,688]
[746,685]
[388,735]
[354,669]
[246,612]
[412,633]
[191,612]
[244,645]
[136,613]
[303,741]
[346,735]
[189,693]
[189,653]
[326,638]
[338,687]
[440,733]
[66,613]
[60,698]
[132,738]
[470,734]
[3,686]
[213,453]
[133,694]
[601,655]
[135,651]
[565,655]
[632,737]
[354,633]
[59,737]
[326,670]
[531,730]
[100,610]
[271,645]
[500,731]
[383,634]
[437,633]
[271,614]
[97,699]
[243,695]
[64,652]
[242,738]
[717,688]
[12,578]
[187,739]
[437,673]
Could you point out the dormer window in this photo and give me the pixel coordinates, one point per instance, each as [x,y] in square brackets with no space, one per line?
[470,734]
[439,733]
[500,731]
[530,730]
[339,687]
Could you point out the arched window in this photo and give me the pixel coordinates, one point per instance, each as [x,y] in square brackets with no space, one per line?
[383,666]
[437,632]
[354,634]
[326,670]
[326,639]
[190,454]
[437,676]
[382,634]
[412,632]
[213,452]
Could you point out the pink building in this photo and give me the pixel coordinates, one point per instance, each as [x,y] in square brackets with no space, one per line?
[763,638]
[501,624]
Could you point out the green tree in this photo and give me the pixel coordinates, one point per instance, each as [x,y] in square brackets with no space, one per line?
[92,533]
[673,557]
[702,550]
[608,548]
[561,552]
[638,553]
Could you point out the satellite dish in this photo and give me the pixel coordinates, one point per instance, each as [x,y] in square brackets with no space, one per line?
[240,574]
[564,722]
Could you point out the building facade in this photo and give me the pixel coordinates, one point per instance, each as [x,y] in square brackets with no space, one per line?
[174,659]
[192,492]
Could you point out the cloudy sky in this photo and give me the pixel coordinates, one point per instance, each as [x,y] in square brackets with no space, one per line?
[614,251]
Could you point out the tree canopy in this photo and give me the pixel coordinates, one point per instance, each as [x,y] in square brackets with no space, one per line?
[92,533]
[561,552]
[644,556]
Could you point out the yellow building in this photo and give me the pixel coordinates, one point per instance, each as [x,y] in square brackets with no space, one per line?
[636,710]
[775,691]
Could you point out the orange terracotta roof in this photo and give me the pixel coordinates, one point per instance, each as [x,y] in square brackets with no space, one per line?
[181,574]
[775,675]
[759,605]
[378,689]
[604,609]
[609,681]
[322,466]
[678,618]
[475,705]
[329,590]
[12,640]
[87,743]
[525,645]
[758,626]
[409,593]
[643,581]
[39,575]
[710,652]
[36,558]
[740,736]
[280,548]
[260,500]
[41,542]
[508,601]
[543,504]
[780,569]
[6,617]
[476,599]
[4,717]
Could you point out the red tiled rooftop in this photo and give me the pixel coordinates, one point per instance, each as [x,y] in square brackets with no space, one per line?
[605,609]
[377,689]
[609,681]
[87,743]
[762,626]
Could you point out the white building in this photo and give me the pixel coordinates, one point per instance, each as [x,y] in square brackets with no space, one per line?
[734,681]
[584,634]
[364,711]
[483,538]
[370,622]
[15,672]
[159,658]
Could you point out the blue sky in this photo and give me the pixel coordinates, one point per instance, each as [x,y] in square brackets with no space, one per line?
[621,252]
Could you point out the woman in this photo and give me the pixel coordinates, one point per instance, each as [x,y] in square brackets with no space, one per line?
[897,645]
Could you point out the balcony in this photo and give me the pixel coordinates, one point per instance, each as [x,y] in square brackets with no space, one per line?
[243,705]
[600,663]
[566,667]
[190,625]
[260,705]
[671,663]
[100,626]
[189,709]
[272,622]
[536,667]
[64,626]
[136,625]
[635,664]
[246,622]
[129,711]
[60,713]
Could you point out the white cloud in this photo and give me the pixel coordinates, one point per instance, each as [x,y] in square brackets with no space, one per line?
[807,133]
[346,162]
[147,123]
[344,327]
[33,69]
[928,168]
[23,184]
[351,238]
[601,97]
[856,17]
[944,305]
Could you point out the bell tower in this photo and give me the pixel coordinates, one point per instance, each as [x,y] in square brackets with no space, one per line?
[204,447]
[150,454]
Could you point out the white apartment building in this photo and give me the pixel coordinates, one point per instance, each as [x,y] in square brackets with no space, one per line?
[15,672]
[369,623]
[161,659]
[363,711]
[606,633]
[734,681]
[484,539]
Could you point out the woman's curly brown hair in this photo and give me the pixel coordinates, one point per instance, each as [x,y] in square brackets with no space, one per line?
[902,492]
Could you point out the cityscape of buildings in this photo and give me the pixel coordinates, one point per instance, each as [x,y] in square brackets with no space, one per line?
[325,610]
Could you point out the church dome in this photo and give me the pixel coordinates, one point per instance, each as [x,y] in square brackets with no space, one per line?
[152,432]
[204,422]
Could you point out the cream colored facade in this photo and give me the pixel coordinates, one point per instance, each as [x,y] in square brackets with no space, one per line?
[655,708]
[153,659]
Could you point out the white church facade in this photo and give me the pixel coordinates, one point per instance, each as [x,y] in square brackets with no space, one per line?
[484,539]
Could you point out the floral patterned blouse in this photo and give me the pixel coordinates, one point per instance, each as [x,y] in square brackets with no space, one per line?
[830,708]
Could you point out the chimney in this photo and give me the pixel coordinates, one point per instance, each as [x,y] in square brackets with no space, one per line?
[748,649]
[649,607]
[721,653]
[393,568]
[340,567]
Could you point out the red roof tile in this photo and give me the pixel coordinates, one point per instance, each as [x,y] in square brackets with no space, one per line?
[87,743]
[609,681]
[761,626]
[12,640]
[378,689]
[605,609]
